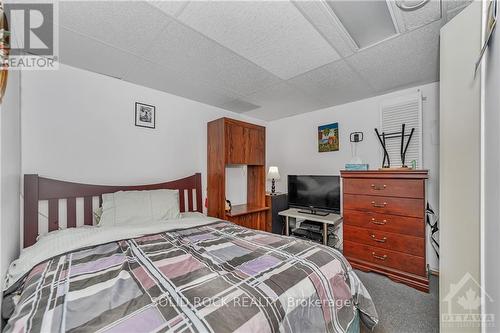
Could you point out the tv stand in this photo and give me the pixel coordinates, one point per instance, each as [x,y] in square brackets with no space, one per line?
[313,211]
[332,218]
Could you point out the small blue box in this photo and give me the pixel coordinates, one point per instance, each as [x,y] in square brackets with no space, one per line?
[356,167]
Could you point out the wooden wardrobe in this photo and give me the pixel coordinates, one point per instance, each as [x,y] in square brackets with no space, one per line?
[234,142]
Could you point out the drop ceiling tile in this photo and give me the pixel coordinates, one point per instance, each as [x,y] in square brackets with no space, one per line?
[282,100]
[335,84]
[172,8]
[272,34]
[319,14]
[239,106]
[153,76]
[414,19]
[127,25]
[83,52]
[453,4]
[453,8]
[186,50]
[367,22]
[410,58]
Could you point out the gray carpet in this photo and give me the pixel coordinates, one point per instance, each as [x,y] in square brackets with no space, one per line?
[400,308]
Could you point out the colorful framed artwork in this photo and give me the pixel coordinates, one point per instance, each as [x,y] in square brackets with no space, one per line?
[328,138]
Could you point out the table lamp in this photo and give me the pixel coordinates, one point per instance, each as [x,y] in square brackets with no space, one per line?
[274,175]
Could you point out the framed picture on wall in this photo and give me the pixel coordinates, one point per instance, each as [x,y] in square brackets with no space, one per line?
[145,115]
[328,137]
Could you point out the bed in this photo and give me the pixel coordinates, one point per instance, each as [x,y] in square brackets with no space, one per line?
[189,274]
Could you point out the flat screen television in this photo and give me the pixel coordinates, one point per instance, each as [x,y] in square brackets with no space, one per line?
[315,193]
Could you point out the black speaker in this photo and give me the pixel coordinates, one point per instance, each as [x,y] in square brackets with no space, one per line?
[279,202]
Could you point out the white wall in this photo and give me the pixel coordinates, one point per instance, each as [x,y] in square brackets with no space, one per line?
[460,160]
[10,172]
[236,184]
[491,162]
[79,126]
[292,142]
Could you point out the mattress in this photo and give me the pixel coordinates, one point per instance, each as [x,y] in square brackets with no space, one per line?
[191,275]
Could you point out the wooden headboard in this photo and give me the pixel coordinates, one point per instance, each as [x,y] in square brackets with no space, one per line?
[38,188]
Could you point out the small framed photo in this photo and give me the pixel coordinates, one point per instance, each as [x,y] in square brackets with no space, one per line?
[145,115]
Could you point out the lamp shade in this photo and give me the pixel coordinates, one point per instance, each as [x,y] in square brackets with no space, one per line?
[273,173]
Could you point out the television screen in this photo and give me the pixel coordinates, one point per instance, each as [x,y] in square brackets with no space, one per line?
[320,192]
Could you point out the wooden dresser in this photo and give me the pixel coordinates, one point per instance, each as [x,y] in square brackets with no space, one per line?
[384,224]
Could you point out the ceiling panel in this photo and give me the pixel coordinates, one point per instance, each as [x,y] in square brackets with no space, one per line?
[335,83]
[452,8]
[184,49]
[367,22]
[282,100]
[87,53]
[172,8]
[128,25]
[410,58]
[236,55]
[320,17]
[410,20]
[239,105]
[153,76]
[454,4]
[272,34]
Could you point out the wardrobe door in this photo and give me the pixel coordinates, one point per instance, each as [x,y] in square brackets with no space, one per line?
[256,143]
[236,144]
[460,156]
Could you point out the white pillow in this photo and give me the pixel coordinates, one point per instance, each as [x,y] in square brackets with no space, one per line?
[57,233]
[139,207]
[187,215]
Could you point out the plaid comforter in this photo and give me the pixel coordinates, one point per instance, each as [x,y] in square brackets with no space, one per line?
[215,278]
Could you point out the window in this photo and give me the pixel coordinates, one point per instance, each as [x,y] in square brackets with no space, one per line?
[395,112]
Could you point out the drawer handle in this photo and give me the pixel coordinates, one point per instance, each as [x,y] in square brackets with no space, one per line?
[381,240]
[378,188]
[379,205]
[383,222]
[379,257]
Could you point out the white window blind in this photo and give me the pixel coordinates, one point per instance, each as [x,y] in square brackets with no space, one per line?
[395,112]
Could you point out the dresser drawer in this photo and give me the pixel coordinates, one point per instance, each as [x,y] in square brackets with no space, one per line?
[385,205]
[396,260]
[406,188]
[384,222]
[386,240]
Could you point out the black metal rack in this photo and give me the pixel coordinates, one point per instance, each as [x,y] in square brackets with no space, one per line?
[404,147]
